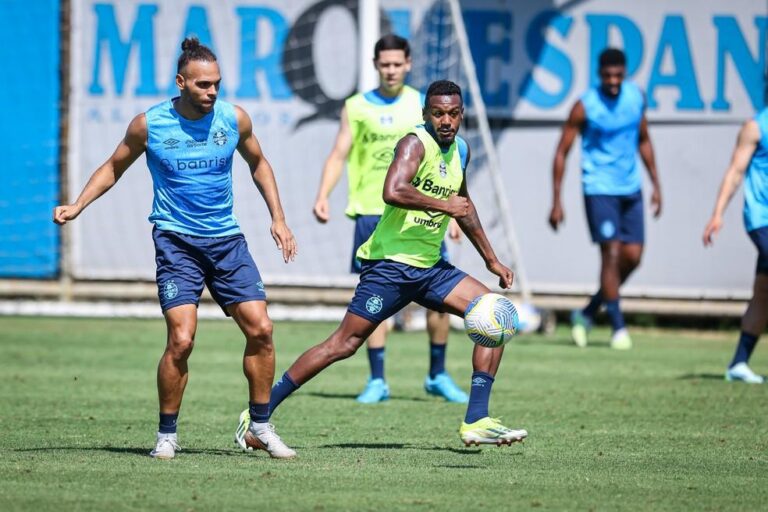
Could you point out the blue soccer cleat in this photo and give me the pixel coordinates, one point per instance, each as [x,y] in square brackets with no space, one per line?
[443,385]
[377,390]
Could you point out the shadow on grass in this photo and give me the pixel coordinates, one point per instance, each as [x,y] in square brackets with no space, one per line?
[703,376]
[143,451]
[405,446]
[347,396]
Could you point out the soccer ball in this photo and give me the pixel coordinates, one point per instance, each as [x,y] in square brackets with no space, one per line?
[491,320]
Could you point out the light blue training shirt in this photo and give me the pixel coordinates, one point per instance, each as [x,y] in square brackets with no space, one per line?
[756,180]
[191,167]
[609,141]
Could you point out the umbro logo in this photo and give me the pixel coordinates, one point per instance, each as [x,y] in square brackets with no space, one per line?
[478,381]
[171,143]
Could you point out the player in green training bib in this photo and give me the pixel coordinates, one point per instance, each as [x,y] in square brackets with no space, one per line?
[425,186]
[371,124]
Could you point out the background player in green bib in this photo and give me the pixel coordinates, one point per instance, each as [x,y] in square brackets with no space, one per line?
[401,261]
[370,126]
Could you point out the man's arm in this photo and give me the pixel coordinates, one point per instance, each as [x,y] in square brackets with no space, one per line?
[746,144]
[398,190]
[333,168]
[646,153]
[571,128]
[128,150]
[250,149]
[471,226]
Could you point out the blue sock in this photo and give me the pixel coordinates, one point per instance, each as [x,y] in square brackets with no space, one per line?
[259,412]
[594,305]
[280,391]
[479,394]
[744,349]
[376,360]
[613,310]
[436,359]
[168,423]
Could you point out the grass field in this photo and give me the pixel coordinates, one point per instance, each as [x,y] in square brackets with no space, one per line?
[652,429]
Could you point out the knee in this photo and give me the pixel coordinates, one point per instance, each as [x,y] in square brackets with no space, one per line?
[632,261]
[180,345]
[343,347]
[260,332]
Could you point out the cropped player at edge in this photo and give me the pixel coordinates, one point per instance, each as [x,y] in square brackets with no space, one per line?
[401,261]
[750,157]
[613,127]
[370,125]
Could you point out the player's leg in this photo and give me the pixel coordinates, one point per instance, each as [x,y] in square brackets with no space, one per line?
[255,431]
[376,389]
[438,382]
[380,294]
[180,280]
[631,231]
[755,318]
[455,290]
[173,374]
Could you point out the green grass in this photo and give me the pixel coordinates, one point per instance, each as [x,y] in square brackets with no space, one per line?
[651,429]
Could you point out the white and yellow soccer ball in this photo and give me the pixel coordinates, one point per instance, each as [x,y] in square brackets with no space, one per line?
[491,320]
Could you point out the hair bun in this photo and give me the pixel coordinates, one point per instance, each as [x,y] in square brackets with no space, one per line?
[189,44]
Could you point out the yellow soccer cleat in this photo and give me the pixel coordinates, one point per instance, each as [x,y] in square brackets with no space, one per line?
[489,431]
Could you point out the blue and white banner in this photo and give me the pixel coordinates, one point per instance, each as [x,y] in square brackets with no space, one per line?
[290,64]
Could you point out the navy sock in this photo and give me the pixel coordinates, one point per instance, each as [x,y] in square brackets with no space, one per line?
[615,316]
[376,360]
[479,394]
[436,359]
[744,349]
[594,305]
[259,412]
[168,423]
[280,391]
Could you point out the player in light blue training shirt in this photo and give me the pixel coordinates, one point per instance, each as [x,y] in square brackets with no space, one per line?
[750,158]
[611,120]
[190,143]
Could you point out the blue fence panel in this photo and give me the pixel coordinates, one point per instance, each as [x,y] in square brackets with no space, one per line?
[29,37]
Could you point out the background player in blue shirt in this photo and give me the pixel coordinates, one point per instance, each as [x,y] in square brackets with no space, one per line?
[613,127]
[189,143]
[750,158]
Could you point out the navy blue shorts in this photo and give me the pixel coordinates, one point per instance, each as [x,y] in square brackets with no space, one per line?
[759,237]
[387,286]
[186,263]
[364,226]
[615,218]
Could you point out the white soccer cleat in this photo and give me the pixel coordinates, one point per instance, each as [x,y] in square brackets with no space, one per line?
[165,447]
[742,372]
[621,340]
[580,326]
[261,436]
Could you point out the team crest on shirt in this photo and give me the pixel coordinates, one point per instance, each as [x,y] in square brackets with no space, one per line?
[386,120]
[170,290]
[374,304]
[220,138]
[443,170]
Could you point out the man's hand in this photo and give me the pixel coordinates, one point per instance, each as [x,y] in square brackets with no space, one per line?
[556,215]
[64,213]
[457,206]
[284,240]
[506,276]
[713,228]
[321,211]
[656,202]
